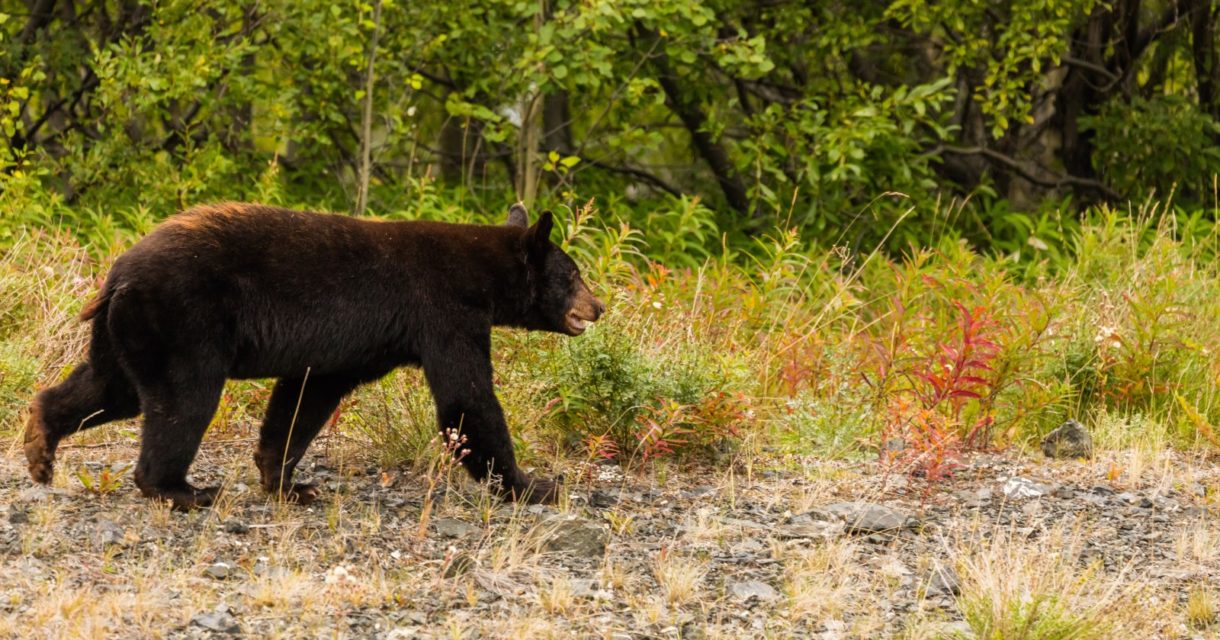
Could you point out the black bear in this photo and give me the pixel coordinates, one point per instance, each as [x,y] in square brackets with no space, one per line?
[322,302]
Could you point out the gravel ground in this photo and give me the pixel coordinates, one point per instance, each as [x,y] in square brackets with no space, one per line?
[789,548]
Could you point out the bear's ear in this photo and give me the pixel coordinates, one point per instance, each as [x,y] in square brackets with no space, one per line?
[517,216]
[538,237]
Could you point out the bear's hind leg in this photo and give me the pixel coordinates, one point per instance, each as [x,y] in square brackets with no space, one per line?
[298,410]
[86,399]
[175,419]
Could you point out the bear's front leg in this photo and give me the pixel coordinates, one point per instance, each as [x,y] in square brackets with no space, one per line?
[460,377]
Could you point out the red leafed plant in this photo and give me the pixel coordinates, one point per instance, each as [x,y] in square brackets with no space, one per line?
[954,375]
[934,426]
[601,447]
[670,427]
[662,428]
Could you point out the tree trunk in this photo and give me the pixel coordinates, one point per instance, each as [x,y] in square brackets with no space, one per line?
[695,121]
[1203,35]
[556,123]
[366,125]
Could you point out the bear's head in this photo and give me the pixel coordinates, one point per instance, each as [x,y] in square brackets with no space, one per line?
[560,301]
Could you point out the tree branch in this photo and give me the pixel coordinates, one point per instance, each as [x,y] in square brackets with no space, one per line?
[696,121]
[1016,166]
[634,172]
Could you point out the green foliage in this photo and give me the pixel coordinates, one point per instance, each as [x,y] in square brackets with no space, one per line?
[606,384]
[113,117]
[1163,142]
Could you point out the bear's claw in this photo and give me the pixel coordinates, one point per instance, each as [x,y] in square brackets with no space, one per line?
[302,494]
[533,490]
[39,451]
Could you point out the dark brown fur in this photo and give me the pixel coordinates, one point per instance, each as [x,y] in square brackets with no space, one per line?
[322,302]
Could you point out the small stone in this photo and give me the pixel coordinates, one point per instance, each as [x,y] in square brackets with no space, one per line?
[235,526]
[460,564]
[218,571]
[264,569]
[864,517]
[834,630]
[588,589]
[1093,498]
[943,581]
[219,621]
[603,499]
[451,528]
[974,499]
[1064,492]
[698,492]
[892,567]
[578,537]
[36,493]
[753,590]
[810,530]
[582,587]
[1016,488]
[18,516]
[742,524]
[1070,440]
[108,533]
[894,445]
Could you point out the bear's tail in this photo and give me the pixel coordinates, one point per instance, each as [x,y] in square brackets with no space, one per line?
[94,307]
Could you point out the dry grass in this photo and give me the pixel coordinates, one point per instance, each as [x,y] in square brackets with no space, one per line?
[679,576]
[367,561]
[822,582]
[1017,589]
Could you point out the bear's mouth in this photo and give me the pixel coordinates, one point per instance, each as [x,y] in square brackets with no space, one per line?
[575,324]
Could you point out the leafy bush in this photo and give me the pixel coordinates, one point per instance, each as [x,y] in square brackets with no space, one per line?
[1165,141]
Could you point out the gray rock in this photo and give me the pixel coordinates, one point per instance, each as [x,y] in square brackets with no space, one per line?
[538,509]
[263,568]
[865,517]
[36,493]
[753,590]
[1093,498]
[974,499]
[1017,488]
[698,492]
[460,564]
[894,445]
[589,589]
[108,533]
[603,499]
[943,581]
[218,620]
[451,528]
[1134,499]
[742,524]
[811,530]
[219,571]
[1070,440]
[578,537]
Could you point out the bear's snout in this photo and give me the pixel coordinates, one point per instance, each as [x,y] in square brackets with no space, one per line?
[585,310]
